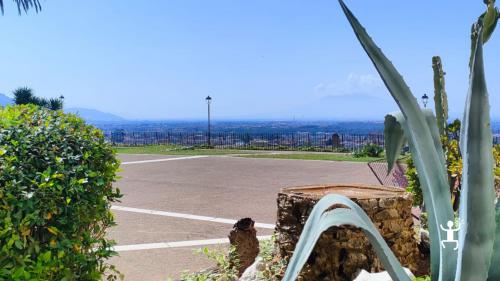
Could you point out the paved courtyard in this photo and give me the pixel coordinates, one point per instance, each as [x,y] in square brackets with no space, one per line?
[173,205]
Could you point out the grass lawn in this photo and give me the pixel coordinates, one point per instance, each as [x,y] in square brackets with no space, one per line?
[178,150]
[314,156]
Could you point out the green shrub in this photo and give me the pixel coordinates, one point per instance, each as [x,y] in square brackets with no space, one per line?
[56,177]
[226,269]
[413,187]
[424,278]
[450,142]
[369,150]
[273,266]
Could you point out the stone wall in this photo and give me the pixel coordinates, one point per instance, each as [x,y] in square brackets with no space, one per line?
[342,251]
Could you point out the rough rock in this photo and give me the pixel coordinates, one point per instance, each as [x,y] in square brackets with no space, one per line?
[252,272]
[342,251]
[243,237]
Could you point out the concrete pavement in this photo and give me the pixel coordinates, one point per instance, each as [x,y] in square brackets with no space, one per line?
[221,187]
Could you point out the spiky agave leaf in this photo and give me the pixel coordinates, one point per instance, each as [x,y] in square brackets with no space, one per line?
[432,174]
[395,126]
[431,120]
[477,210]
[494,273]
[489,20]
[394,139]
[321,220]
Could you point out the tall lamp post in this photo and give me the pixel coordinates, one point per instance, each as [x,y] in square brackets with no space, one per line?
[209,100]
[425,100]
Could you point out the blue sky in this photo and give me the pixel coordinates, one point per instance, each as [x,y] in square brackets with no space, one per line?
[260,59]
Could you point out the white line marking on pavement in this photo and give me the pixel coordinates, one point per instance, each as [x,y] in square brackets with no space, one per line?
[163,160]
[186,216]
[166,245]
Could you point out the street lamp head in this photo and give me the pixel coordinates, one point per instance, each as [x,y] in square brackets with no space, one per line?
[61,97]
[425,99]
[208,99]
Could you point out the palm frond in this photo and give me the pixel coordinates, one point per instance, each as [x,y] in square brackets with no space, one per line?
[24,5]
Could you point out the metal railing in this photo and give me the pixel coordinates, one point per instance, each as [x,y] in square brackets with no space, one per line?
[264,141]
[335,142]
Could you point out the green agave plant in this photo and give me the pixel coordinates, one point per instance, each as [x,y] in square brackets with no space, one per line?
[478,254]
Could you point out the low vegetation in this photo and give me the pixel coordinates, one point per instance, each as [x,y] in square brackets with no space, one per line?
[189,151]
[177,150]
[224,269]
[272,268]
[56,178]
[369,150]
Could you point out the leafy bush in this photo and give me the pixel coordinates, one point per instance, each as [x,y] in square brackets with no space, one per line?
[425,278]
[450,142]
[369,150]
[226,268]
[413,182]
[273,267]
[56,177]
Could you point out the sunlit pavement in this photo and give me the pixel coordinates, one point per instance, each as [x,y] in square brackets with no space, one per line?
[173,205]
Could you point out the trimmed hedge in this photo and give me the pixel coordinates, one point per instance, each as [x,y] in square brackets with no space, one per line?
[56,176]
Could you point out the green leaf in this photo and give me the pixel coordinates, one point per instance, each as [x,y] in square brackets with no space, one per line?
[394,138]
[477,210]
[436,136]
[46,256]
[490,20]
[321,220]
[432,174]
[53,230]
[394,127]
[18,244]
[494,273]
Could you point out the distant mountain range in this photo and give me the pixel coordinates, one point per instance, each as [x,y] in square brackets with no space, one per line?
[93,116]
[5,100]
[90,115]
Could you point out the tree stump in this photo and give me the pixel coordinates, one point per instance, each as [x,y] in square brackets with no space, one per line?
[342,251]
[243,237]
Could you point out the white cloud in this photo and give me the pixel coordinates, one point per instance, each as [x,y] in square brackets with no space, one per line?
[354,83]
[320,87]
[363,83]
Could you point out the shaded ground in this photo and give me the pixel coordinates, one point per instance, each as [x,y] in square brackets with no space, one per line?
[211,186]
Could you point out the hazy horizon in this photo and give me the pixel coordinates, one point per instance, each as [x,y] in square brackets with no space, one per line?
[258,60]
